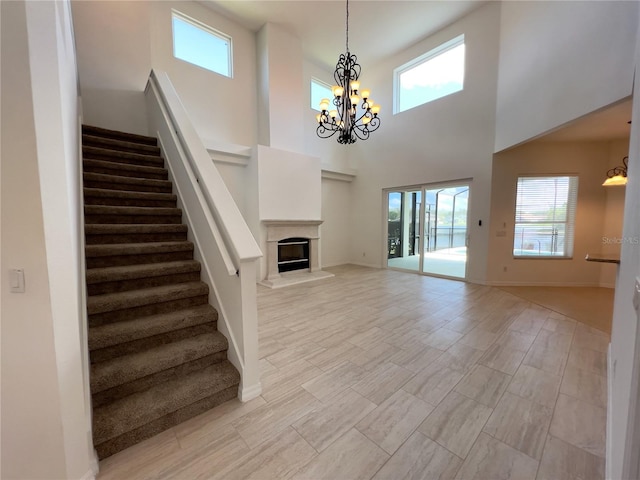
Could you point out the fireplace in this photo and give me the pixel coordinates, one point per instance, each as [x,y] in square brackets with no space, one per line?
[293,254]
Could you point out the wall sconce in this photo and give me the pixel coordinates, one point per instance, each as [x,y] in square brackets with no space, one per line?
[617,176]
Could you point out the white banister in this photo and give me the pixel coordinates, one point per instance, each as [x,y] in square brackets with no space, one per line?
[223,242]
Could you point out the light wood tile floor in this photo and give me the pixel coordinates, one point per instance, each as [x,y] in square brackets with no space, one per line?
[387,375]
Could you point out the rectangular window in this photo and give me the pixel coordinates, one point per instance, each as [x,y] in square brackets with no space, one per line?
[319,90]
[545,216]
[436,74]
[201,45]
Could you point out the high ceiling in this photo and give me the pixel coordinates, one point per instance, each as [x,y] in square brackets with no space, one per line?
[380,28]
[377,28]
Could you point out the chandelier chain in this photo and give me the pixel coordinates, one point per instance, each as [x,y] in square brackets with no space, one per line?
[347,29]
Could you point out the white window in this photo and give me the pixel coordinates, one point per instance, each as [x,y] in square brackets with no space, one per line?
[197,43]
[436,74]
[319,90]
[545,215]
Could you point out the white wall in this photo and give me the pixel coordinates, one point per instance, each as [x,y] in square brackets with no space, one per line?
[448,139]
[624,363]
[221,108]
[118,44]
[589,160]
[559,61]
[114,61]
[45,430]
[280,80]
[288,185]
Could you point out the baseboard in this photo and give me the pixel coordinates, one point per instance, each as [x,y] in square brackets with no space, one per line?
[494,283]
[607,464]
[250,392]
[363,264]
[94,465]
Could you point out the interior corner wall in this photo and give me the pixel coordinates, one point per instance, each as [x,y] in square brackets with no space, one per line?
[588,160]
[334,231]
[118,44]
[333,156]
[114,61]
[222,109]
[44,430]
[559,61]
[448,139]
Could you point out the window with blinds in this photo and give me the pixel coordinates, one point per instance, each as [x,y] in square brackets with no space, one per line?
[545,216]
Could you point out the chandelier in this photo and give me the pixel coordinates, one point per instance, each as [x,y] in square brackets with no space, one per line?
[617,176]
[354,115]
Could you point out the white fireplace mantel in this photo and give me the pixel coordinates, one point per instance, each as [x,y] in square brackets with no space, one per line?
[277,230]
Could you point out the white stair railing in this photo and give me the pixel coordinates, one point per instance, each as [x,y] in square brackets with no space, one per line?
[223,242]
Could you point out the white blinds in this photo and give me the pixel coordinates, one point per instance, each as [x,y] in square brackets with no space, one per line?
[545,215]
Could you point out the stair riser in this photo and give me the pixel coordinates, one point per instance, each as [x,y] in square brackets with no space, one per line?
[91,239]
[127,187]
[121,172]
[129,202]
[116,135]
[149,381]
[123,158]
[102,219]
[108,353]
[111,144]
[134,284]
[138,259]
[109,447]
[97,319]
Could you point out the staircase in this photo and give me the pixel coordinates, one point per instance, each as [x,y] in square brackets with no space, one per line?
[157,358]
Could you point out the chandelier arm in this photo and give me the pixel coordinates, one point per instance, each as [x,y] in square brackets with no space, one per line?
[324,131]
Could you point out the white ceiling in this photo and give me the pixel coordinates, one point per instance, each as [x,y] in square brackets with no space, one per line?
[609,123]
[377,28]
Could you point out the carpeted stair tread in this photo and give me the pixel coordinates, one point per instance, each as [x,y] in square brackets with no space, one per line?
[131,272]
[110,334]
[137,365]
[118,228]
[100,196]
[145,296]
[134,411]
[116,182]
[122,158]
[119,144]
[119,233]
[114,249]
[131,211]
[129,137]
[165,422]
[124,169]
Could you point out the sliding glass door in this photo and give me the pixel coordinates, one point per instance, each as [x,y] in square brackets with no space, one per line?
[427,229]
[404,229]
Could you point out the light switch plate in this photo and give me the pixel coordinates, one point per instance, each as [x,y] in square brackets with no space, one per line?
[16,280]
[636,294]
